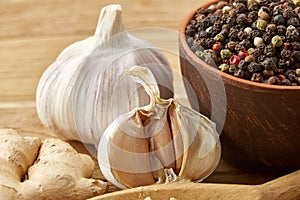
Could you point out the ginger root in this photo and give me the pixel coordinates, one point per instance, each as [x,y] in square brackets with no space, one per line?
[49,169]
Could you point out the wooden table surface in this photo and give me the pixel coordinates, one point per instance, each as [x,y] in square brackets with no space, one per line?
[34,32]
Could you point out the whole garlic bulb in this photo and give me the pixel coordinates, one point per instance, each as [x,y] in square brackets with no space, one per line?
[140,146]
[85,89]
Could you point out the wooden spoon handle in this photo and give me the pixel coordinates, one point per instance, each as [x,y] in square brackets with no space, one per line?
[286,187]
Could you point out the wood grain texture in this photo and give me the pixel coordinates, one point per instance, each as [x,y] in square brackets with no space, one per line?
[32,33]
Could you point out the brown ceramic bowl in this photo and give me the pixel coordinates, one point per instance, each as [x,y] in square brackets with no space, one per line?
[262,123]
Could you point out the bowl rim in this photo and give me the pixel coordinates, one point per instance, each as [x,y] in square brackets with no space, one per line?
[229,78]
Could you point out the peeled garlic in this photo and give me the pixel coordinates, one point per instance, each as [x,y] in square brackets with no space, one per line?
[85,89]
[157,141]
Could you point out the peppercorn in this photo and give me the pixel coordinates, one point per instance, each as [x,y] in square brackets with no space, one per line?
[286,82]
[240,7]
[292,33]
[271,29]
[239,73]
[277,41]
[267,73]
[210,57]
[238,47]
[285,53]
[243,65]
[255,33]
[295,45]
[252,16]
[261,58]
[243,54]
[233,34]
[258,41]
[264,15]
[296,56]
[273,80]
[225,54]
[241,19]
[267,37]
[294,21]
[278,19]
[297,71]
[234,60]
[248,30]
[269,50]
[224,68]
[246,43]
[257,77]
[291,75]
[226,9]
[230,45]
[269,64]
[199,53]
[256,53]
[277,10]
[281,29]
[219,37]
[254,67]
[250,58]
[232,69]
[288,12]
[241,35]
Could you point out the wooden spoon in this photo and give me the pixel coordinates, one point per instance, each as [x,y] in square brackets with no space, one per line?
[285,187]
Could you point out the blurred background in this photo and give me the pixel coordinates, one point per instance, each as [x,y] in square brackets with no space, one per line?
[34,32]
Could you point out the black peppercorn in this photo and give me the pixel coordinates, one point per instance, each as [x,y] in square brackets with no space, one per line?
[267,73]
[253,6]
[232,69]
[269,50]
[292,33]
[239,73]
[291,75]
[294,21]
[285,53]
[254,67]
[271,29]
[296,56]
[252,16]
[286,82]
[243,65]
[279,19]
[245,43]
[255,33]
[257,77]
[288,12]
[281,29]
[241,19]
[230,45]
[261,58]
[267,37]
[240,7]
[269,64]
[277,10]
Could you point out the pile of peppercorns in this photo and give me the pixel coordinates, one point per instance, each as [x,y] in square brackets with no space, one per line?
[256,40]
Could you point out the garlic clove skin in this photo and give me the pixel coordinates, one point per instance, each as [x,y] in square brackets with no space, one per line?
[177,137]
[85,89]
[202,149]
[127,163]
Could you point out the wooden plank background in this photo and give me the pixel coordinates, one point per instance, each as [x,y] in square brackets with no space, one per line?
[33,32]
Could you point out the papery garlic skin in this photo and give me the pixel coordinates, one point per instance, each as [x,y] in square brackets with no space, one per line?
[85,89]
[159,136]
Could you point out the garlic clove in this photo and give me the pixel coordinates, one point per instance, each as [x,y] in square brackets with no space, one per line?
[177,138]
[127,153]
[202,149]
[162,144]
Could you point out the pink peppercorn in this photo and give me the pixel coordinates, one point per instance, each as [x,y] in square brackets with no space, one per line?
[242,54]
[216,46]
[281,76]
[234,60]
